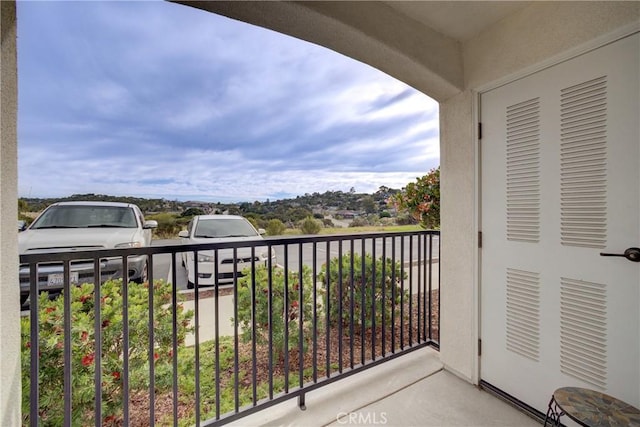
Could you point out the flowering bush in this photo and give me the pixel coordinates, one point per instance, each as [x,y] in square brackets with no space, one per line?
[421,199]
[278,310]
[363,282]
[83,348]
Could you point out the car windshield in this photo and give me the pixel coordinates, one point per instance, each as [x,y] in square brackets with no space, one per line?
[84,216]
[224,227]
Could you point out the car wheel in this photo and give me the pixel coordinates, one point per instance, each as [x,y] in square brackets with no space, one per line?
[190,285]
[144,275]
[23,299]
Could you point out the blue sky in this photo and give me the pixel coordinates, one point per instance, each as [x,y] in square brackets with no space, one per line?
[155,99]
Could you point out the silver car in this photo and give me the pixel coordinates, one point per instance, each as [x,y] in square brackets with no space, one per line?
[221,228]
[68,226]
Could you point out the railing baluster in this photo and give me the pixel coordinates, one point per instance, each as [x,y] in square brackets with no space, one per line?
[339,306]
[383,281]
[327,312]
[373,299]
[66,293]
[419,286]
[34,342]
[430,287]
[411,290]
[125,342]
[216,294]
[363,304]
[270,321]
[174,336]
[254,373]
[152,371]
[352,304]
[97,336]
[196,318]
[286,318]
[301,305]
[402,322]
[236,367]
[315,310]
[394,285]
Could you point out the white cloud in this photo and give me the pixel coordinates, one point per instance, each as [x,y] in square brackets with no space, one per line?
[137,98]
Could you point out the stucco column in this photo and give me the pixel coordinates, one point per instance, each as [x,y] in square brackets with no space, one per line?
[458,323]
[10,387]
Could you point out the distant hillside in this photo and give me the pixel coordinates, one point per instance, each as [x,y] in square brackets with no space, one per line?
[332,202]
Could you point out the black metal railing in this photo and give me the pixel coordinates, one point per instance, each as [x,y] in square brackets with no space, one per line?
[312,311]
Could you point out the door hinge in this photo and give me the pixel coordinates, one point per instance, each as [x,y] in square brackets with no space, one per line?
[479,347]
[480,239]
[479,130]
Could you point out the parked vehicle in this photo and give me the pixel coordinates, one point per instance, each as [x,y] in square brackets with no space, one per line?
[67,226]
[220,228]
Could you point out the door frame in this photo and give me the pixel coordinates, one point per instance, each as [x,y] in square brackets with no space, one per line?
[476,114]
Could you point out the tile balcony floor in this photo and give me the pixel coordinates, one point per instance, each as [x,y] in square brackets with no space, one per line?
[412,390]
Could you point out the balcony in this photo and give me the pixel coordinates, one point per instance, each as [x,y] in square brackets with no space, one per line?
[326,308]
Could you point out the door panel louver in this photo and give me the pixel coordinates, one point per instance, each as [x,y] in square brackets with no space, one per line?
[523,313]
[523,174]
[583,331]
[583,180]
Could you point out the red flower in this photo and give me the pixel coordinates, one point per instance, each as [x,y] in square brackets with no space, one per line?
[294,304]
[156,356]
[84,336]
[116,375]
[87,360]
[50,309]
[84,298]
[170,353]
[28,344]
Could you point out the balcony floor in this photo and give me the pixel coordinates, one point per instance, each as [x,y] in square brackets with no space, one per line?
[412,390]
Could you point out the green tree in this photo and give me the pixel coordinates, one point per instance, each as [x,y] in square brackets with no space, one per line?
[368,204]
[421,199]
[190,212]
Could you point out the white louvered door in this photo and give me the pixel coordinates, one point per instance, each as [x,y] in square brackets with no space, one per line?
[561,184]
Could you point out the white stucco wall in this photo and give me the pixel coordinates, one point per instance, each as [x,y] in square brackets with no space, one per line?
[458,248]
[529,37]
[10,388]
[539,32]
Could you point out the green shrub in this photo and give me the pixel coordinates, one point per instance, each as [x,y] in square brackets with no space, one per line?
[362,281]
[168,225]
[275,227]
[310,226]
[278,310]
[359,222]
[328,223]
[83,348]
[191,212]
